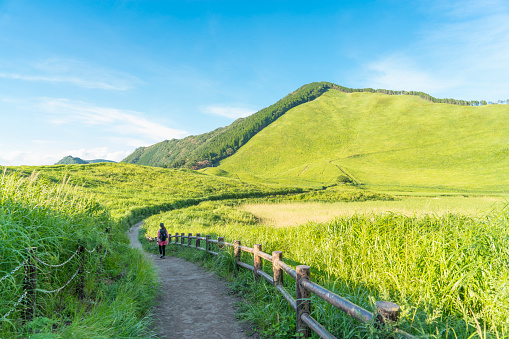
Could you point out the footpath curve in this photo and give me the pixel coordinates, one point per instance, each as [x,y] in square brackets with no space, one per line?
[192,302]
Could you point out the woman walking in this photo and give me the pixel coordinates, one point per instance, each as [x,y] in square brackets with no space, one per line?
[162,239]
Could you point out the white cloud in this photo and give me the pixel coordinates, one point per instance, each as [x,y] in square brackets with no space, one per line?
[86,83]
[28,158]
[116,121]
[74,72]
[399,73]
[96,153]
[36,158]
[464,56]
[62,127]
[131,142]
[228,111]
[468,8]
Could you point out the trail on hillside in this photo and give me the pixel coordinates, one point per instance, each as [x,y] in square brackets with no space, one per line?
[192,303]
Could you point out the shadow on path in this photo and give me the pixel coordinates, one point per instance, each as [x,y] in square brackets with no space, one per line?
[193,303]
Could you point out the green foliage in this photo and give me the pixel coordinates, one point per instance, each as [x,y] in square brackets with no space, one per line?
[448,273]
[175,153]
[335,195]
[55,218]
[380,142]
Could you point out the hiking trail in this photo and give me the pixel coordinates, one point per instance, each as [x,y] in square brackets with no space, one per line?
[192,302]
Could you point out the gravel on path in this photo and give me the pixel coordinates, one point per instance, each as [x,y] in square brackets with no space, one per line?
[192,302]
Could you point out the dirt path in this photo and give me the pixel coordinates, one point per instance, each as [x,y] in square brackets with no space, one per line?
[193,302]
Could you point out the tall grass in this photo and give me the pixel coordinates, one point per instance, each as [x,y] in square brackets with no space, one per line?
[449,273]
[132,193]
[55,218]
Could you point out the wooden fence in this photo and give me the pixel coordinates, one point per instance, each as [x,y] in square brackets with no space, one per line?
[386,313]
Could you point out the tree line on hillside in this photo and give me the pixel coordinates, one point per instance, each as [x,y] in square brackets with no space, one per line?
[208,149]
[425,96]
[205,150]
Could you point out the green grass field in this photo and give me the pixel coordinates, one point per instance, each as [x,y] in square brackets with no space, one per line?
[443,293]
[56,207]
[133,192]
[447,271]
[384,142]
[118,282]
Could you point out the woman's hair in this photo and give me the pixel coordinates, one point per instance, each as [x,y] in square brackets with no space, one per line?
[162,225]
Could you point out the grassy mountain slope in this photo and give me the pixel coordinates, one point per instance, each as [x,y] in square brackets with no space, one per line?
[168,153]
[383,141]
[201,150]
[175,152]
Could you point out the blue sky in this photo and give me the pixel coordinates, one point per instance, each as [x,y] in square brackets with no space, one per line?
[97,79]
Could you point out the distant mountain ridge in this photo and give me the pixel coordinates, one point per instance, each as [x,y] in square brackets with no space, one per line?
[70,160]
[208,149]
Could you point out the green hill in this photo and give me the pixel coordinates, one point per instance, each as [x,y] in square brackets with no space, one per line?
[69,160]
[206,149]
[176,152]
[382,141]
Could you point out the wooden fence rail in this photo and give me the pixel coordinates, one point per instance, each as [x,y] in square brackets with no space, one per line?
[386,313]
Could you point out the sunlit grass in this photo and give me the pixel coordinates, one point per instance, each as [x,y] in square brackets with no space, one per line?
[295,213]
[443,259]
[55,218]
[449,272]
[132,192]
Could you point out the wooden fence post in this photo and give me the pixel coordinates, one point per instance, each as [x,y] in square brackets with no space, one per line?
[189,239]
[80,286]
[236,252]
[30,284]
[207,243]
[197,242]
[220,241]
[257,261]
[182,235]
[176,238]
[277,271]
[387,313]
[303,303]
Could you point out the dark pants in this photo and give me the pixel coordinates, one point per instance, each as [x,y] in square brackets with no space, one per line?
[162,249]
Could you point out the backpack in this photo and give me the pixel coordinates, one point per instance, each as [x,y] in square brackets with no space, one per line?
[163,235]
